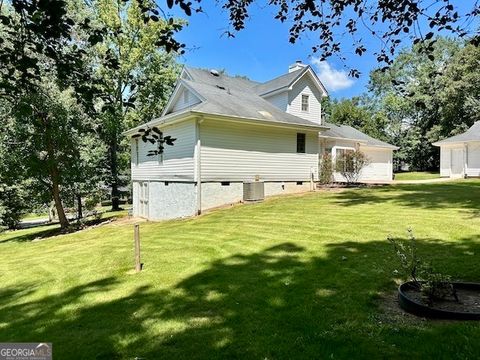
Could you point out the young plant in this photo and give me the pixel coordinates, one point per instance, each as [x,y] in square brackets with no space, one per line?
[432,285]
[326,169]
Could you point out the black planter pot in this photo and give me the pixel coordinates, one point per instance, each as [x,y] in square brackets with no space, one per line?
[420,309]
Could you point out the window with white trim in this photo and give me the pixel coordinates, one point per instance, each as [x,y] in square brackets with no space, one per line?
[341,165]
[301,143]
[305,100]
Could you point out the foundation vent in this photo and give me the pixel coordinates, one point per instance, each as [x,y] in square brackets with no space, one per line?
[253,191]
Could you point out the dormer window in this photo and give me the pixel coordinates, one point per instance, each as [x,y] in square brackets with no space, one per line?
[305,102]
[186,97]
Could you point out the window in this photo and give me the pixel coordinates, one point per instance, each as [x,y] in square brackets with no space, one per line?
[186,97]
[225,183]
[305,103]
[341,164]
[301,143]
[299,182]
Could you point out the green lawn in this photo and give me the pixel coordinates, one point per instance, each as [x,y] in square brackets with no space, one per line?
[34,216]
[294,277]
[417,175]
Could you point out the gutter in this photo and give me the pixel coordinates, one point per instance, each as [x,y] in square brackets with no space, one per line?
[361,142]
[188,114]
[171,118]
[256,121]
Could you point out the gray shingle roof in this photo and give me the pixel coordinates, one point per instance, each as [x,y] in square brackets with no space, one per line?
[279,82]
[472,134]
[234,96]
[350,133]
[205,77]
[240,97]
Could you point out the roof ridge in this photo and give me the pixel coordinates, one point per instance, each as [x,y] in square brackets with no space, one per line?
[297,73]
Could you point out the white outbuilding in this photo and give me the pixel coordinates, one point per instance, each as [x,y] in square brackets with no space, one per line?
[460,154]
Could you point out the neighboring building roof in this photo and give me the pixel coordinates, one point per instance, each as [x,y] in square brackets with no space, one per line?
[472,134]
[349,133]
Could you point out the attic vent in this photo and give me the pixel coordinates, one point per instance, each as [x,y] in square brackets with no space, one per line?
[220,87]
[214,72]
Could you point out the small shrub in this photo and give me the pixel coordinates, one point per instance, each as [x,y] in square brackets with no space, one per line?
[433,285]
[12,206]
[326,169]
[350,165]
[92,201]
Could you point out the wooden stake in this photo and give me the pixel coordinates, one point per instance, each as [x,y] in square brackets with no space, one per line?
[138,264]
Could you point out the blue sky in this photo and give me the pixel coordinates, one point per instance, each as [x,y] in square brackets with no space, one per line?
[262,51]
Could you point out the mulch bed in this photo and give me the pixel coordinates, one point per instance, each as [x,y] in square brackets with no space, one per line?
[469,301]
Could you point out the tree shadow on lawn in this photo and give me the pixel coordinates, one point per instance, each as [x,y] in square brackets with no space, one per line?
[279,303]
[430,196]
[29,234]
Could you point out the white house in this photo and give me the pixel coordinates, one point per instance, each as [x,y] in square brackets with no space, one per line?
[232,130]
[460,154]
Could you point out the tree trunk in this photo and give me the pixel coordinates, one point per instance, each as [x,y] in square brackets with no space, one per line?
[79,206]
[114,174]
[54,175]
[62,218]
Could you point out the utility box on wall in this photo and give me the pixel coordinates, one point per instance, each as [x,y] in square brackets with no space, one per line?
[253,191]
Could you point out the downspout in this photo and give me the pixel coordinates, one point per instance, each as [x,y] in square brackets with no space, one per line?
[198,164]
[465,167]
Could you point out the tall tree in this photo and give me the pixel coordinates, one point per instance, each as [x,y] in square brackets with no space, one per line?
[428,98]
[138,88]
[46,132]
[357,113]
[44,80]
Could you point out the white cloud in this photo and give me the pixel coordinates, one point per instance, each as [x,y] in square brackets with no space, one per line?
[332,79]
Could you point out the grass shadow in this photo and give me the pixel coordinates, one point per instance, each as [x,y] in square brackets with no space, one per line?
[462,194]
[278,303]
[49,230]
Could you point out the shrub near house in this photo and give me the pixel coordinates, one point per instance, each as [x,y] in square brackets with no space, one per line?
[350,164]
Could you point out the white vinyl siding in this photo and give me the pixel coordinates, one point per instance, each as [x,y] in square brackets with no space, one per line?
[184,100]
[239,152]
[460,159]
[457,162]
[178,160]
[380,166]
[473,159]
[445,163]
[279,100]
[305,86]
